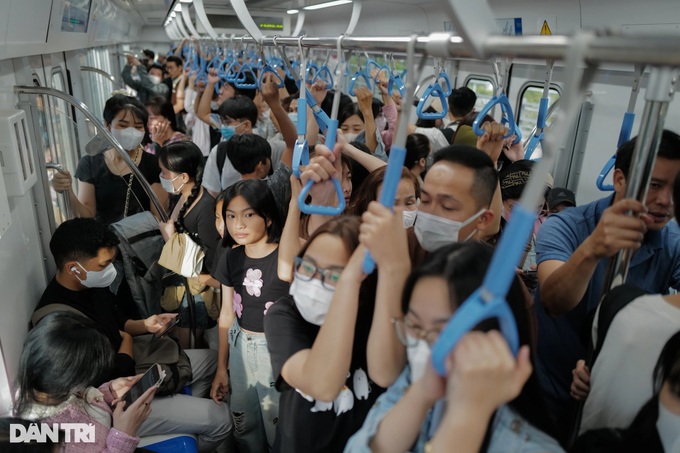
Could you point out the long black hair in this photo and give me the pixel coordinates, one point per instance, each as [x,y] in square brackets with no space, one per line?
[463,265]
[184,157]
[259,197]
[64,354]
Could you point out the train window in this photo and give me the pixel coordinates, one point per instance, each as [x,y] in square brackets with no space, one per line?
[483,87]
[527,114]
[96,93]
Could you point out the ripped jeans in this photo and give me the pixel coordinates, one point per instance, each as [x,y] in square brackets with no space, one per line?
[254,400]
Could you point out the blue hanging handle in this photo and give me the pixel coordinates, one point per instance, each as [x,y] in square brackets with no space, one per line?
[323,73]
[372,64]
[232,71]
[388,192]
[310,72]
[432,90]
[540,126]
[508,117]
[398,81]
[301,150]
[332,128]
[489,300]
[296,67]
[321,117]
[446,87]
[624,136]
[241,78]
[357,76]
[269,70]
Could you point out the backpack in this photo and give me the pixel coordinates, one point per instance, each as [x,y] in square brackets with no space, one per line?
[615,300]
[140,248]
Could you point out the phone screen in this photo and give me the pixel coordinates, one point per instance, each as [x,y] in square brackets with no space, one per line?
[168,327]
[151,377]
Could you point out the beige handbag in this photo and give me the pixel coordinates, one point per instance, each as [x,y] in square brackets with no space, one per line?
[182,255]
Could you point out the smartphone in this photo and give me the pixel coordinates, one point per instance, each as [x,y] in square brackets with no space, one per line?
[168,327]
[531,272]
[153,376]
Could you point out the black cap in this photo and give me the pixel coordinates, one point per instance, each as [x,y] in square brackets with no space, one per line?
[559,195]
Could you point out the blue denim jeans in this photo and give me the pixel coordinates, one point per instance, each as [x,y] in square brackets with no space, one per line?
[254,400]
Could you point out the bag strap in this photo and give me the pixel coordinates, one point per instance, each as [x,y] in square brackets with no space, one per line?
[50,308]
[221,156]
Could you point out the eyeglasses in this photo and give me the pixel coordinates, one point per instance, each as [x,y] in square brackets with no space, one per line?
[408,334]
[306,270]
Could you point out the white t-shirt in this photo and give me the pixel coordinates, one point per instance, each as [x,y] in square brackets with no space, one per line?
[211,174]
[621,379]
[436,137]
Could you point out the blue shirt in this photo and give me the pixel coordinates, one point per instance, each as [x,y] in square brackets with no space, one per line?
[654,267]
[510,432]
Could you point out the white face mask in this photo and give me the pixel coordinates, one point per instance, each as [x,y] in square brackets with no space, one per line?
[168,185]
[155,79]
[129,138]
[409,217]
[668,427]
[380,123]
[214,105]
[434,232]
[311,299]
[350,137]
[98,279]
[418,358]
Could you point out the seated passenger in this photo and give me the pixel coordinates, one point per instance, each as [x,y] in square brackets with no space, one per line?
[107,189]
[408,414]
[572,251]
[656,428]
[84,250]
[63,358]
[619,381]
[317,340]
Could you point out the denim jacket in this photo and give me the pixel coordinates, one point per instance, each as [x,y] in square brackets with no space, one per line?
[511,433]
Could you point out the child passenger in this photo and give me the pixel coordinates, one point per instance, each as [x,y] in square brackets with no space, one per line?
[250,286]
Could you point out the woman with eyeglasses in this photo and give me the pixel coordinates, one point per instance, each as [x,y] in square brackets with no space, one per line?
[317,341]
[424,412]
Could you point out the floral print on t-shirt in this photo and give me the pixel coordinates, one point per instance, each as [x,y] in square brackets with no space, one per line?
[253,282]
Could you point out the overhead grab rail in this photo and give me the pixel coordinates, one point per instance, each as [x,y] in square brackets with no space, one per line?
[501,73]
[398,151]
[105,133]
[537,134]
[626,129]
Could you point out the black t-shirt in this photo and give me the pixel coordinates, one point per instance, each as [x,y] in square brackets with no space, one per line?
[256,285]
[201,222]
[100,305]
[306,425]
[111,190]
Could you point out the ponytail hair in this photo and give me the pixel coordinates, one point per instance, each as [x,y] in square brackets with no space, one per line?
[184,157]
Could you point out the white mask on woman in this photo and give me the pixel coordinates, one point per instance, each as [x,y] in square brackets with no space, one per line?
[311,299]
[668,427]
[350,137]
[129,138]
[409,217]
[418,358]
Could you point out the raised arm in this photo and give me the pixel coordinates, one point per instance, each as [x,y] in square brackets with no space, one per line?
[615,231]
[368,161]
[289,245]
[384,235]
[270,93]
[203,109]
[321,371]
[365,102]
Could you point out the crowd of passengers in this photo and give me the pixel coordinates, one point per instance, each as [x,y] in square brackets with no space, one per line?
[296,349]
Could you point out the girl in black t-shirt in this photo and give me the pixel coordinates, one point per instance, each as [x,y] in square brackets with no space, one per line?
[250,286]
[317,339]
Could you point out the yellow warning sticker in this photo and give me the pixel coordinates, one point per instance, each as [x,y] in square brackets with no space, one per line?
[545,29]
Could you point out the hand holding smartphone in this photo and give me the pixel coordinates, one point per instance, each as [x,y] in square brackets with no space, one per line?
[153,377]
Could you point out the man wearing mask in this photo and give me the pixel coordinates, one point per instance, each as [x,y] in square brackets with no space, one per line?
[147,82]
[84,251]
